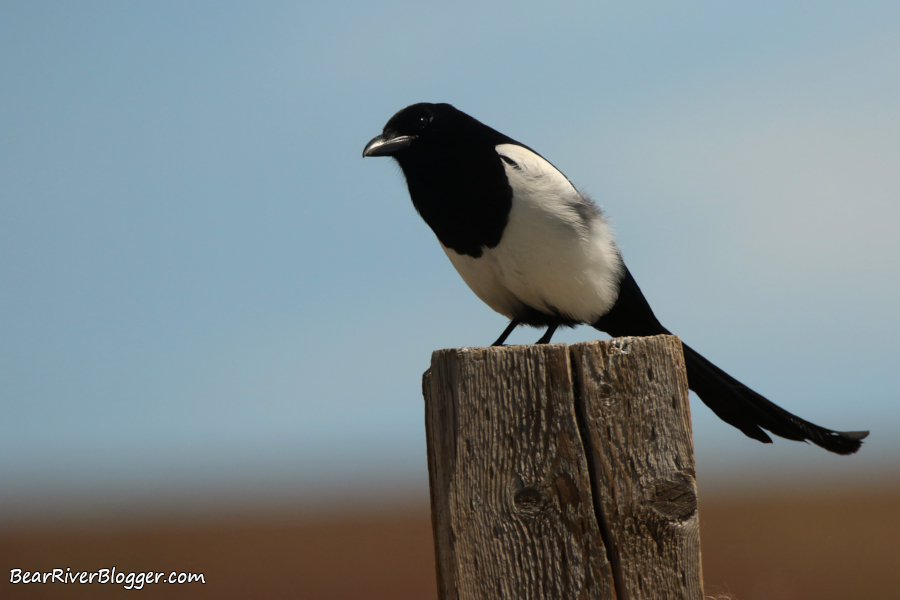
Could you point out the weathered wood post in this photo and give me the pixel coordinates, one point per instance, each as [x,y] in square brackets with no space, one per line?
[563,472]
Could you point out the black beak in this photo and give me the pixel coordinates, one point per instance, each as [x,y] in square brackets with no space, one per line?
[387,144]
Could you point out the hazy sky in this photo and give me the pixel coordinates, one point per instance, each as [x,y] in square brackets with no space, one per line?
[203,286]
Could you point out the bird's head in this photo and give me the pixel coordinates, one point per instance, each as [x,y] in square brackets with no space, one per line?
[420,126]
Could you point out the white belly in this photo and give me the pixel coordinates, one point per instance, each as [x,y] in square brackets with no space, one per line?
[550,258]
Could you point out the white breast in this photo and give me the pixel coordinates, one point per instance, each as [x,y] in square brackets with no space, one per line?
[557,254]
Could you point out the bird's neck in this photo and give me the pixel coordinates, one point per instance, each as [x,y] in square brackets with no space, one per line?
[464,197]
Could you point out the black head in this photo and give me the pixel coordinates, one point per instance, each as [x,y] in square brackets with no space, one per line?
[455,176]
[424,125]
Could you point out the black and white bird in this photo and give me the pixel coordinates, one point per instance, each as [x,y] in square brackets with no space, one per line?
[538,252]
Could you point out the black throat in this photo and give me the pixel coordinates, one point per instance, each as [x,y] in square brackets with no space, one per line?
[461,192]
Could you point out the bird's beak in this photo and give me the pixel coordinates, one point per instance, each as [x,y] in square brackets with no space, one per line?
[387,144]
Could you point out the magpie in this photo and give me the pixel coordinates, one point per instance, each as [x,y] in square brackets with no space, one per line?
[537,251]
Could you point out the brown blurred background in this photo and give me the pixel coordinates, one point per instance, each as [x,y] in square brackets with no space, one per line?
[815,544]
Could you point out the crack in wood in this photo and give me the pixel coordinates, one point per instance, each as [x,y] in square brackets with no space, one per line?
[605,533]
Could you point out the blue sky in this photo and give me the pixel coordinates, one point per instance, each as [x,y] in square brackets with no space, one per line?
[205,288]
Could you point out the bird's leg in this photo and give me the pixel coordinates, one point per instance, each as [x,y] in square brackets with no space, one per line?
[545,339]
[512,325]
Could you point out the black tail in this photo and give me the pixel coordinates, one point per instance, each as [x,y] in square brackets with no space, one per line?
[738,405]
[731,400]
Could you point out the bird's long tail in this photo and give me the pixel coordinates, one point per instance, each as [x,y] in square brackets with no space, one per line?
[731,400]
[750,412]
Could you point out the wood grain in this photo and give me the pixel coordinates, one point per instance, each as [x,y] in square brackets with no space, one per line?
[634,398]
[563,472]
[510,489]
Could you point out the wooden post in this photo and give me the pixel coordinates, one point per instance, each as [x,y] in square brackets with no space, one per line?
[563,472]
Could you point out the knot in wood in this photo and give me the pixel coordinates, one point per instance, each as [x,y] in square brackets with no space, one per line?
[529,501]
[676,498]
[604,391]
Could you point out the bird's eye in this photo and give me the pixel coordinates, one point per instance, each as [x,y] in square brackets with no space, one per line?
[423,121]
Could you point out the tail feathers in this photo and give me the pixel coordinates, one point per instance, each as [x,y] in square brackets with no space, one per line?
[731,400]
[738,405]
